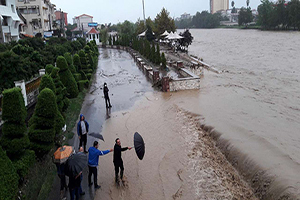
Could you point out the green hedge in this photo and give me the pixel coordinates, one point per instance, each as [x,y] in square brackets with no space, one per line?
[76,62]
[42,136]
[23,165]
[89,76]
[47,82]
[15,147]
[83,60]
[69,60]
[49,68]
[61,91]
[13,108]
[83,84]
[9,178]
[66,77]
[77,76]
[14,129]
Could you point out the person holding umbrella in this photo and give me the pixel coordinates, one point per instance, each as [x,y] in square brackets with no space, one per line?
[82,130]
[74,186]
[94,154]
[118,162]
[105,91]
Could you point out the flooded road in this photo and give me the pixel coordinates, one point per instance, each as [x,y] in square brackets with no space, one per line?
[254,102]
[181,161]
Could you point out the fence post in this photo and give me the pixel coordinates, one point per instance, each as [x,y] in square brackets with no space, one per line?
[21,84]
[42,72]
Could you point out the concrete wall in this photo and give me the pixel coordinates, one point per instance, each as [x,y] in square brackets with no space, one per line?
[184,84]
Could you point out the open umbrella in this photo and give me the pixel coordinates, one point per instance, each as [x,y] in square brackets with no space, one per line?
[97,135]
[139,145]
[75,164]
[62,154]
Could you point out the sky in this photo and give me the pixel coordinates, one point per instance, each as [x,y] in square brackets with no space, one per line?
[115,11]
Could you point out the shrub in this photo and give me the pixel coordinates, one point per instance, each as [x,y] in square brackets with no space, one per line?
[66,77]
[9,178]
[76,62]
[89,76]
[42,129]
[83,75]
[49,68]
[83,84]
[77,76]
[158,59]
[83,60]
[69,60]
[47,82]
[23,165]
[61,91]
[163,60]
[14,140]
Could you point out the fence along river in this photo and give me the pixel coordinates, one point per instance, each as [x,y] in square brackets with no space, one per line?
[254,103]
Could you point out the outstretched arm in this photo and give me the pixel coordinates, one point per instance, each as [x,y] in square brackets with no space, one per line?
[101,153]
[125,148]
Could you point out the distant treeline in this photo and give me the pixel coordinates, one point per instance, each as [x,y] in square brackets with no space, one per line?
[201,20]
[280,15]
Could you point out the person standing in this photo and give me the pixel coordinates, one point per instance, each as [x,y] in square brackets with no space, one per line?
[82,130]
[118,162]
[105,91]
[94,154]
[61,174]
[74,186]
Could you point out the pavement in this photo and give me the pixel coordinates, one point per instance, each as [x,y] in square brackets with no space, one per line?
[126,84]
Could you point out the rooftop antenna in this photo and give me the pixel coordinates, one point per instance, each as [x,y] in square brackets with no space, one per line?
[144,12]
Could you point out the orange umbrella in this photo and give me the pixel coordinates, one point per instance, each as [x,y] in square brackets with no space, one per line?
[62,154]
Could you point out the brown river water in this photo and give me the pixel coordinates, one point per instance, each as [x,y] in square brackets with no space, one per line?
[254,103]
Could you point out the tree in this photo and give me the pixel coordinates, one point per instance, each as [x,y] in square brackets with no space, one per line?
[61,91]
[69,60]
[245,16]
[152,53]
[14,141]
[247,2]
[42,123]
[48,68]
[266,13]
[232,4]
[149,34]
[163,60]
[66,77]
[9,178]
[187,38]
[77,63]
[47,82]
[164,22]
[140,26]
[109,40]
[104,36]
[158,58]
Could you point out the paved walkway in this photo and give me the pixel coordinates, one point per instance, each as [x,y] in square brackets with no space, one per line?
[126,84]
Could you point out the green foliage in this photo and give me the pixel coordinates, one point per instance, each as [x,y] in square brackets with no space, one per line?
[187,38]
[163,61]
[164,22]
[245,16]
[83,75]
[9,178]
[89,76]
[69,60]
[76,62]
[158,58]
[23,165]
[49,68]
[42,131]
[47,82]
[109,40]
[61,91]
[149,34]
[206,20]
[77,76]
[83,84]
[83,60]
[66,77]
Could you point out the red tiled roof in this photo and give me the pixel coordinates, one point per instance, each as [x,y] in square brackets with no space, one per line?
[85,15]
[93,31]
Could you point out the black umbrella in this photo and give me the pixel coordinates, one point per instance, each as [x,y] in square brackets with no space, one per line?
[97,135]
[139,145]
[75,164]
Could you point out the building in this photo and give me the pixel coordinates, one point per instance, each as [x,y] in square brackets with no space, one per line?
[39,15]
[93,34]
[218,5]
[185,16]
[84,25]
[9,21]
[61,16]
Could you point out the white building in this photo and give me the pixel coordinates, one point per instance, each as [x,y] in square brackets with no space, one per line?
[93,34]
[83,27]
[39,14]
[9,19]
[218,5]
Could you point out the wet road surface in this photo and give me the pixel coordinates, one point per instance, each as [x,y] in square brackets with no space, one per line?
[126,84]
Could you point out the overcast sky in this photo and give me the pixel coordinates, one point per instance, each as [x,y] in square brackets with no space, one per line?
[114,11]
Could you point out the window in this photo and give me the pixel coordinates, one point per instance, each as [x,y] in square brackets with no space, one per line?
[4,21]
[13,8]
[32,11]
[3,2]
[20,0]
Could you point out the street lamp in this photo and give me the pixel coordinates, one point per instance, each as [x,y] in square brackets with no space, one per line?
[144,12]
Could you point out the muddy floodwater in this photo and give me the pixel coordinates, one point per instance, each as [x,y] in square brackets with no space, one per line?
[255,102]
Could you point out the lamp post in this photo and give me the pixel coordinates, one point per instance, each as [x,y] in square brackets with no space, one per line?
[144,12]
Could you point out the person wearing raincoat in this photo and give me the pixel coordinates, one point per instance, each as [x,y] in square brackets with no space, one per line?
[82,130]
[107,100]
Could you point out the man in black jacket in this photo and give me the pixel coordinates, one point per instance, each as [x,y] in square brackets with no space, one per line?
[118,162]
[105,92]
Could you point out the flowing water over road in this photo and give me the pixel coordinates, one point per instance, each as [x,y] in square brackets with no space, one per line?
[255,102]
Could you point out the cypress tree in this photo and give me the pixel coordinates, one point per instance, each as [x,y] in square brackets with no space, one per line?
[83,60]
[69,60]
[49,68]
[42,128]
[158,58]
[163,60]
[77,63]
[153,53]
[61,91]
[47,82]
[66,77]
